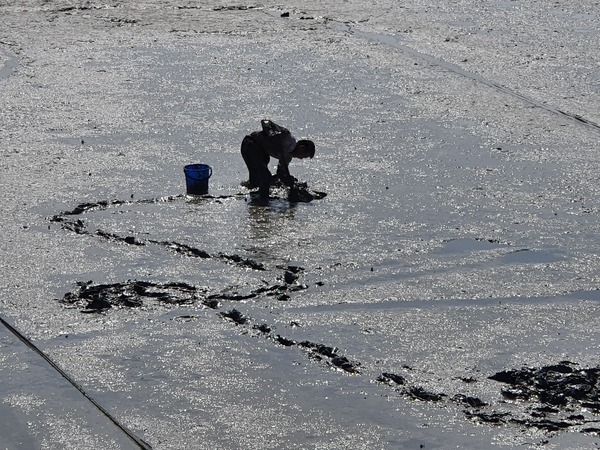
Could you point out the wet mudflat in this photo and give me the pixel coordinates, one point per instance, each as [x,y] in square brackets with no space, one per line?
[444,294]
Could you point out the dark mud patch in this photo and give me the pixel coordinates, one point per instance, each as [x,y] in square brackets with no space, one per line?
[343,363]
[281,340]
[553,398]
[235,316]
[320,349]
[98,298]
[420,393]
[263,328]
[473,402]
[329,355]
[391,378]
[562,385]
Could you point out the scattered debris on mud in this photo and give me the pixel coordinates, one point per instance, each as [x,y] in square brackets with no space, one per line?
[552,398]
[316,352]
[97,298]
[559,385]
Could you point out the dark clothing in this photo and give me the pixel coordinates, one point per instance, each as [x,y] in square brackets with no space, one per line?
[258,148]
[257,162]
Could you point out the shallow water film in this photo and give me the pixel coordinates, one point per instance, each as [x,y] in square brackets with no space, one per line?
[435,283]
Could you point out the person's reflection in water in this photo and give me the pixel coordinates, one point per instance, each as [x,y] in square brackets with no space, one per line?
[269,229]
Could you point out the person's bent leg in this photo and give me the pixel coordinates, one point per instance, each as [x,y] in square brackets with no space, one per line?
[257,162]
[251,154]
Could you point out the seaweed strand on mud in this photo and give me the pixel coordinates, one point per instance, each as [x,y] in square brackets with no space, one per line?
[552,398]
[98,298]
[318,352]
[78,226]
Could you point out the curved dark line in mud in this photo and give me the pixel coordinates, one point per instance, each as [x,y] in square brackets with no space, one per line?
[553,398]
[554,390]
[78,226]
[394,41]
[318,352]
[559,387]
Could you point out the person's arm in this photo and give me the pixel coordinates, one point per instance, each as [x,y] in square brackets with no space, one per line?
[288,143]
[283,172]
[281,143]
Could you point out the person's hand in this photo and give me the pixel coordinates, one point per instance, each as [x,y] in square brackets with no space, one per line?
[289,181]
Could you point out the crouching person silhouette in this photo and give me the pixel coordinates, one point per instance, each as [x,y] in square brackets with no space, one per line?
[277,142]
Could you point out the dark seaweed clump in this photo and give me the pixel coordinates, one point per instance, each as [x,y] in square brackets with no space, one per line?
[420,393]
[234,316]
[301,193]
[551,398]
[555,397]
[560,385]
[97,298]
[391,378]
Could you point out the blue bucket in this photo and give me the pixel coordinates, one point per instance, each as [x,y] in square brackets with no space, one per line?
[196,178]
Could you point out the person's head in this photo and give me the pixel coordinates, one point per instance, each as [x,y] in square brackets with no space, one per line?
[304,149]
